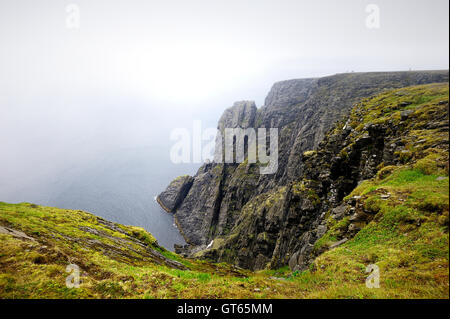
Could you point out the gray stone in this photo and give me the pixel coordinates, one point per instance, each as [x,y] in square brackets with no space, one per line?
[338,243]
[15,233]
[405,114]
[339,212]
[174,194]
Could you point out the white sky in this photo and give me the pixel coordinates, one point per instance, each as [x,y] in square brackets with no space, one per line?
[135,69]
[186,51]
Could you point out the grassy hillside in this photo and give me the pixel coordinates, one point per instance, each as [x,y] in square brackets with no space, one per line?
[116,261]
[407,238]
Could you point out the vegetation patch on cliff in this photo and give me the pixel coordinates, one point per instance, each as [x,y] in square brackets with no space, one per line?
[407,206]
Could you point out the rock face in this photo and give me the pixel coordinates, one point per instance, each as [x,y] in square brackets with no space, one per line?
[174,194]
[199,212]
[258,221]
[242,114]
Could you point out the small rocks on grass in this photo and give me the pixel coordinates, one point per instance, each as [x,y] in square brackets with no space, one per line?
[277,278]
[336,244]
[405,114]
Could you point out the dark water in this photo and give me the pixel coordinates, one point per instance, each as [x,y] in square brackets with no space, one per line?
[121,187]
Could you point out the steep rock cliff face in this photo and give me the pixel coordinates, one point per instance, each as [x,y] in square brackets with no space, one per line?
[200,213]
[227,197]
[304,112]
[284,226]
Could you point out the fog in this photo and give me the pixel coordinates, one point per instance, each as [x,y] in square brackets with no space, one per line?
[79,105]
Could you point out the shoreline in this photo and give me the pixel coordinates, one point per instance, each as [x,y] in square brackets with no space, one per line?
[181,231]
[175,219]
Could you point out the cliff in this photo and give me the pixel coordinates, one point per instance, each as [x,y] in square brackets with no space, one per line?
[303,111]
[389,156]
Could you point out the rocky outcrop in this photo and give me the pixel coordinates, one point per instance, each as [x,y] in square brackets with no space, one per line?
[15,233]
[242,114]
[174,194]
[199,215]
[195,214]
[283,226]
[257,220]
[304,110]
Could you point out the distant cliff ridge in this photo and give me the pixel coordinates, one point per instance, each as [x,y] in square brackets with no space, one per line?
[260,220]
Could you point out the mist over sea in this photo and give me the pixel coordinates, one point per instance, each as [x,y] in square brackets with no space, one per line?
[120,186]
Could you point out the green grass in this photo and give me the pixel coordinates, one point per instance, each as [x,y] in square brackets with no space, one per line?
[408,239]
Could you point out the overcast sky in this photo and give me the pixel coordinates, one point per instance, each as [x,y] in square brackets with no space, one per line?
[133,70]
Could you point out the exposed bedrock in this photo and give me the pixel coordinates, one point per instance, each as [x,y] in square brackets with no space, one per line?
[227,202]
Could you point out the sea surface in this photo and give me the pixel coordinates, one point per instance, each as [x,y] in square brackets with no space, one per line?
[120,186]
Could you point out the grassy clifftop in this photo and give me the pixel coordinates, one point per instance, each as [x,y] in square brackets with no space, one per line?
[37,244]
[408,203]
[401,215]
